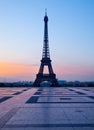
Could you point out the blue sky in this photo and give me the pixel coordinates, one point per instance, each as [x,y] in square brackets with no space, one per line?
[71,36]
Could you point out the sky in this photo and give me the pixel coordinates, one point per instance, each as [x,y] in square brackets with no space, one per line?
[71,38]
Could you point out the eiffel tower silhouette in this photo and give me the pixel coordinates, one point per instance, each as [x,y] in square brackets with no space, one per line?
[46,61]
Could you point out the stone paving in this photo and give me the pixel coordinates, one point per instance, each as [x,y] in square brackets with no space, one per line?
[47,108]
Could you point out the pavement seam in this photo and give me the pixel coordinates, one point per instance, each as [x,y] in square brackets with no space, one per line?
[4,119]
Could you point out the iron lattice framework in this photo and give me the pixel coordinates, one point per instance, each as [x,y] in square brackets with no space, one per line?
[46,61]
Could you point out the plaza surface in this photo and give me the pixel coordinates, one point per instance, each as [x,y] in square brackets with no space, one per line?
[47,108]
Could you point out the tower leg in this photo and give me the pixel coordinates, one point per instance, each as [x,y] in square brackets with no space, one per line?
[36,83]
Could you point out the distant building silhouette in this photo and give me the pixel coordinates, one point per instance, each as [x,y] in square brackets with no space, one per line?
[46,61]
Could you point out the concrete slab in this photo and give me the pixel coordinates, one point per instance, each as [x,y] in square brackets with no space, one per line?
[47,109]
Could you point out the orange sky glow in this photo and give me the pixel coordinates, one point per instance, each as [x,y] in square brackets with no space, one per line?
[28,72]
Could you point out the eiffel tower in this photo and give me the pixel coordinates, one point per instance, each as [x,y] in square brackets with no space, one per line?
[46,61]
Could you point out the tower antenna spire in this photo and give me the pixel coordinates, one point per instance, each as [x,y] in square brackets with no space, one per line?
[45,11]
